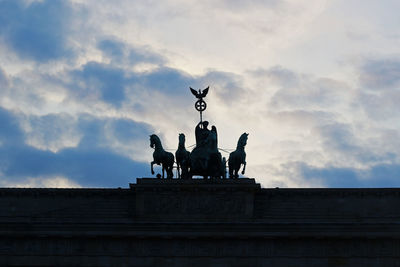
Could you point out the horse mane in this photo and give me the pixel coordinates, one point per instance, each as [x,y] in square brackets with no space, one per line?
[242,139]
[156,138]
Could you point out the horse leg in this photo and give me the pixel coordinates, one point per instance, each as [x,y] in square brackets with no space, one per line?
[244,167]
[178,167]
[151,166]
[237,172]
[169,171]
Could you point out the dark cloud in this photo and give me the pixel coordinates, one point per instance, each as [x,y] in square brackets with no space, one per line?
[51,127]
[167,80]
[338,137]
[124,129]
[226,85]
[112,82]
[343,140]
[384,175]
[331,177]
[96,131]
[381,175]
[10,132]
[94,168]
[380,74]
[120,52]
[112,49]
[37,30]
[92,163]
[108,83]
[99,81]
[4,82]
[380,106]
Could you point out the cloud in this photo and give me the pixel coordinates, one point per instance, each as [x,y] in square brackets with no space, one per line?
[238,5]
[95,161]
[379,94]
[95,167]
[119,135]
[381,175]
[120,52]
[338,137]
[166,80]
[300,91]
[10,132]
[380,74]
[37,30]
[228,86]
[113,49]
[4,82]
[303,118]
[99,81]
[41,182]
[51,131]
[331,176]
[382,106]
[111,82]
[112,73]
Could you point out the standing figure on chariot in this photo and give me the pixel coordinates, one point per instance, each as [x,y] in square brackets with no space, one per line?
[205,157]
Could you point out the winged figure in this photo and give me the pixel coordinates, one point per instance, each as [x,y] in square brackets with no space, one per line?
[200,94]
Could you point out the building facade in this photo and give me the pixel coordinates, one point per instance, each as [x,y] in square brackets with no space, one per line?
[199,223]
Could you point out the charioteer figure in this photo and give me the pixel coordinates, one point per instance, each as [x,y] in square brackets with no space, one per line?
[205,159]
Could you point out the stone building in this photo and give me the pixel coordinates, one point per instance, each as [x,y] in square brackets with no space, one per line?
[199,223]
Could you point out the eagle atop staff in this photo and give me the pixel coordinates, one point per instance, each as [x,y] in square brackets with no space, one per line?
[200,94]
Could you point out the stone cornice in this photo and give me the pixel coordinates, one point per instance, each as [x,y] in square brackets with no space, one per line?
[331,191]
[64,192]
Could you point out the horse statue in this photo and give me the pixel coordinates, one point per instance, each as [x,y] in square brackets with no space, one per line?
[182,158]
[161,157]
[238,157]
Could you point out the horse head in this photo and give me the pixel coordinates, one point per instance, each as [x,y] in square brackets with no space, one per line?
[182,138]
[242,140]
[153,140]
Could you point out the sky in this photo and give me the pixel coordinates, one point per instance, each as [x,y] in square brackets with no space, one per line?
[315,83]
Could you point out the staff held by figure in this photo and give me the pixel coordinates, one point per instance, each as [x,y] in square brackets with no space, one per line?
[200,104]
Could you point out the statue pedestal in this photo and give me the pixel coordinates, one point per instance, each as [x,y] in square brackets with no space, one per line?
[195,199]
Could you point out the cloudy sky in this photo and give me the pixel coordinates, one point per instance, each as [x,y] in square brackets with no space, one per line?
[316,84]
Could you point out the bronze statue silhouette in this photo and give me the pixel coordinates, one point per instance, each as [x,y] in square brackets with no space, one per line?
[161,157]
[182,158]
[212,140]
[199,94]
[201,132]
[200,104]
[238,157]
[223,168]
[205,159]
